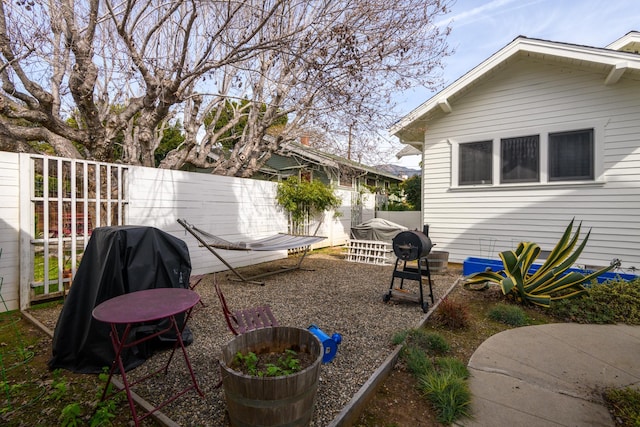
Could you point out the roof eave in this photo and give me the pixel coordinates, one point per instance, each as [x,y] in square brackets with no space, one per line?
[326,159]
[617,60]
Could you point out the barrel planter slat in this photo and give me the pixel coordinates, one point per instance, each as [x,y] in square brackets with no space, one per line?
[271,401]
[438,261]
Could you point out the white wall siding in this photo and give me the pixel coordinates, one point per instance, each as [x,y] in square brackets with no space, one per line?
[529,95]
[9,229]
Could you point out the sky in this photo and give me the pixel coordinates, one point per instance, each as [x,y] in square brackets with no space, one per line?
[481,28]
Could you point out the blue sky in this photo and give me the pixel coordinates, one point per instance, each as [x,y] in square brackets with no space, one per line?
[481,28]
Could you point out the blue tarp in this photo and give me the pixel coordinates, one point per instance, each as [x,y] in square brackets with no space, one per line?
[474,265]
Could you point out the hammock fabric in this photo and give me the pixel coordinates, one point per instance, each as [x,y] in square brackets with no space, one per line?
[276,242]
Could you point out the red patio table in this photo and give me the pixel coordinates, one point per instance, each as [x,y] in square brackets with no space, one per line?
[147,306]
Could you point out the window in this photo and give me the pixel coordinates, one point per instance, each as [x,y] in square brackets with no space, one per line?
[475,163]
[520,158]
[553,155]
[571,155]
[345,179]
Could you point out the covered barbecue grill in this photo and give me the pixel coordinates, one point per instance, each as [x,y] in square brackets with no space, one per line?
[377,229]
[117,260]
[410,246]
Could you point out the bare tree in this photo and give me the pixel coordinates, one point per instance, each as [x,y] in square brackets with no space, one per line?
[93,78]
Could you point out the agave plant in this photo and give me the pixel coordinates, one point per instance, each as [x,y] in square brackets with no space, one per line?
[551,281]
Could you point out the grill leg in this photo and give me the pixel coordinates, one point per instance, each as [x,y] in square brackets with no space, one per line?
[423,305]
[428,271]
[387,296]
[411,273]
[404,268]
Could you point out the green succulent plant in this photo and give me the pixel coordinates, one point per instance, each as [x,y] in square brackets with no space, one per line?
[551,281]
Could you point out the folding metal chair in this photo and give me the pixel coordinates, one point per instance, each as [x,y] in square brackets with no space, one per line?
[247,319]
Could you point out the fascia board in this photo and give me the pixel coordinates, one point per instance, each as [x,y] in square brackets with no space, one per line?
[520,44]
[307,154]
[408,150]
[630,37]
[455,87]
[582,53]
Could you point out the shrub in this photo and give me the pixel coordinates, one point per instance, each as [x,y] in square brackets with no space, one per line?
[582,310]
[508,314]
[443,384]
[452,314]
[428,341]
[625,405]
[609,302]
[448,393]
[622,297]
[452,365]
[417,360]
[399,337]
[304,199]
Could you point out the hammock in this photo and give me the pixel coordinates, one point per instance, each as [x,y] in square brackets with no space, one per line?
[278,242]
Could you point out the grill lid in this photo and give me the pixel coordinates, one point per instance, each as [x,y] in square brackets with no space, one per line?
[411,245]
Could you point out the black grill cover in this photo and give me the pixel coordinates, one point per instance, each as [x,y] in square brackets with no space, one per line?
[117,260]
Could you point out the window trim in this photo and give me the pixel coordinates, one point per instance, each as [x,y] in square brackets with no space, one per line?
[598,127]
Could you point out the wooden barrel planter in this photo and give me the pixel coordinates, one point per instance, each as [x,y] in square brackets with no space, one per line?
[271,401]
[438,261]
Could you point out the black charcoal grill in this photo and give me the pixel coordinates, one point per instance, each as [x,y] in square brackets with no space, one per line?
[409,246]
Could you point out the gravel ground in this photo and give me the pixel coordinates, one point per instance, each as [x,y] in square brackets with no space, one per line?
[337,296]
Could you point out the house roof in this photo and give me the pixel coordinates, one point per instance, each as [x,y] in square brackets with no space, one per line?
[408,150]
[329,160]
[619,58]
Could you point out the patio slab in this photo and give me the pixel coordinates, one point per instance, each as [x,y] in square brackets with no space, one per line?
[552,375]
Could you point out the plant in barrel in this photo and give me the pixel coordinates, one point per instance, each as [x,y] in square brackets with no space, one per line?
[270,376]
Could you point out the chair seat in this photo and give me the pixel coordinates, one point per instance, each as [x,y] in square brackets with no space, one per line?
[246,319]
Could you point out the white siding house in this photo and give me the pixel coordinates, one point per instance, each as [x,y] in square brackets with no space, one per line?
[539,133]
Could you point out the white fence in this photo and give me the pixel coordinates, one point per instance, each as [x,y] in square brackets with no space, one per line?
[9,228]
[232,208]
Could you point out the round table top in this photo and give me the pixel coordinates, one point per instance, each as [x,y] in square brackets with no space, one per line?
[146,305]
